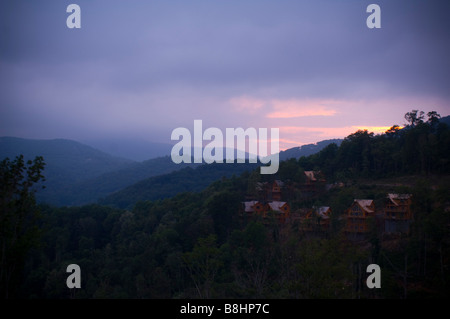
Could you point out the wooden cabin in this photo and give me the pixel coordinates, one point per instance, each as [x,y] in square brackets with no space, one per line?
[358,215]
[277,186]
[262,191]
[314,182]
[397,213]
[317,219]
[254,207]
[266,191]
[323,214]
[282,210]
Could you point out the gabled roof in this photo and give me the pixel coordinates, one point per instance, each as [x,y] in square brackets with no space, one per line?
[249,205]
[276,206]
[365,204]
[279,183]
[395,197]
[310,175]
[260,185]
[322,211]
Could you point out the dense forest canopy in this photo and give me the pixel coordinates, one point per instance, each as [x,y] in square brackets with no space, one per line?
[198,245]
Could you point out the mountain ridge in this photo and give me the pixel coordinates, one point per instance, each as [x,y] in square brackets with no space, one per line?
[307,149]
[78,174]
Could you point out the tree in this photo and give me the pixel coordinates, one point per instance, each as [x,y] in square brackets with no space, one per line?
[253,258]
[322,269]
[433,119]
[18,216]
[203,264]
[223,208]
[414,117]
[355,152]
[393,131]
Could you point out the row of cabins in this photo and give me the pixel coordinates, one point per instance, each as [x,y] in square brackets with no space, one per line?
[270,205]
[394,217]
[312,184]
[278,210]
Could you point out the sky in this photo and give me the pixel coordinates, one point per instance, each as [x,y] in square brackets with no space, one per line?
[140,69]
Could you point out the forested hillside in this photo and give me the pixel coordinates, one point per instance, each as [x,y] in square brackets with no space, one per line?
[92,190]
[201,245]
[168,185]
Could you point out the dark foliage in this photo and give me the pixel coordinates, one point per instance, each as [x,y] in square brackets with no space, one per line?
[196,245]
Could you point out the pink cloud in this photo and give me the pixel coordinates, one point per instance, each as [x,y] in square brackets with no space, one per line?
[247,104]
[301,108]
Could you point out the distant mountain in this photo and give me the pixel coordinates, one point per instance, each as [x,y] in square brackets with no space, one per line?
[134,149]
[78,174]
[67,162]
[195,179]
[138,150]
[90,190]
[65,158]
[308,149]
[161,178]
[445,119]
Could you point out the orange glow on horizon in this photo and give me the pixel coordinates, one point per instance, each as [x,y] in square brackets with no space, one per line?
[374,129]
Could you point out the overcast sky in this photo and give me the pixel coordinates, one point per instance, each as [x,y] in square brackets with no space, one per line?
[140,68]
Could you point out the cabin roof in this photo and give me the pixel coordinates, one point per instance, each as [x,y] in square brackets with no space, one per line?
[276,205]
[279,183]
[365,204]
[310,175]
[395,197]
[260,185]
[322,211]
[249,205]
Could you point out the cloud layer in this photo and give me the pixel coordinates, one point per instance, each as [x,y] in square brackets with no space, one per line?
[143,68]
